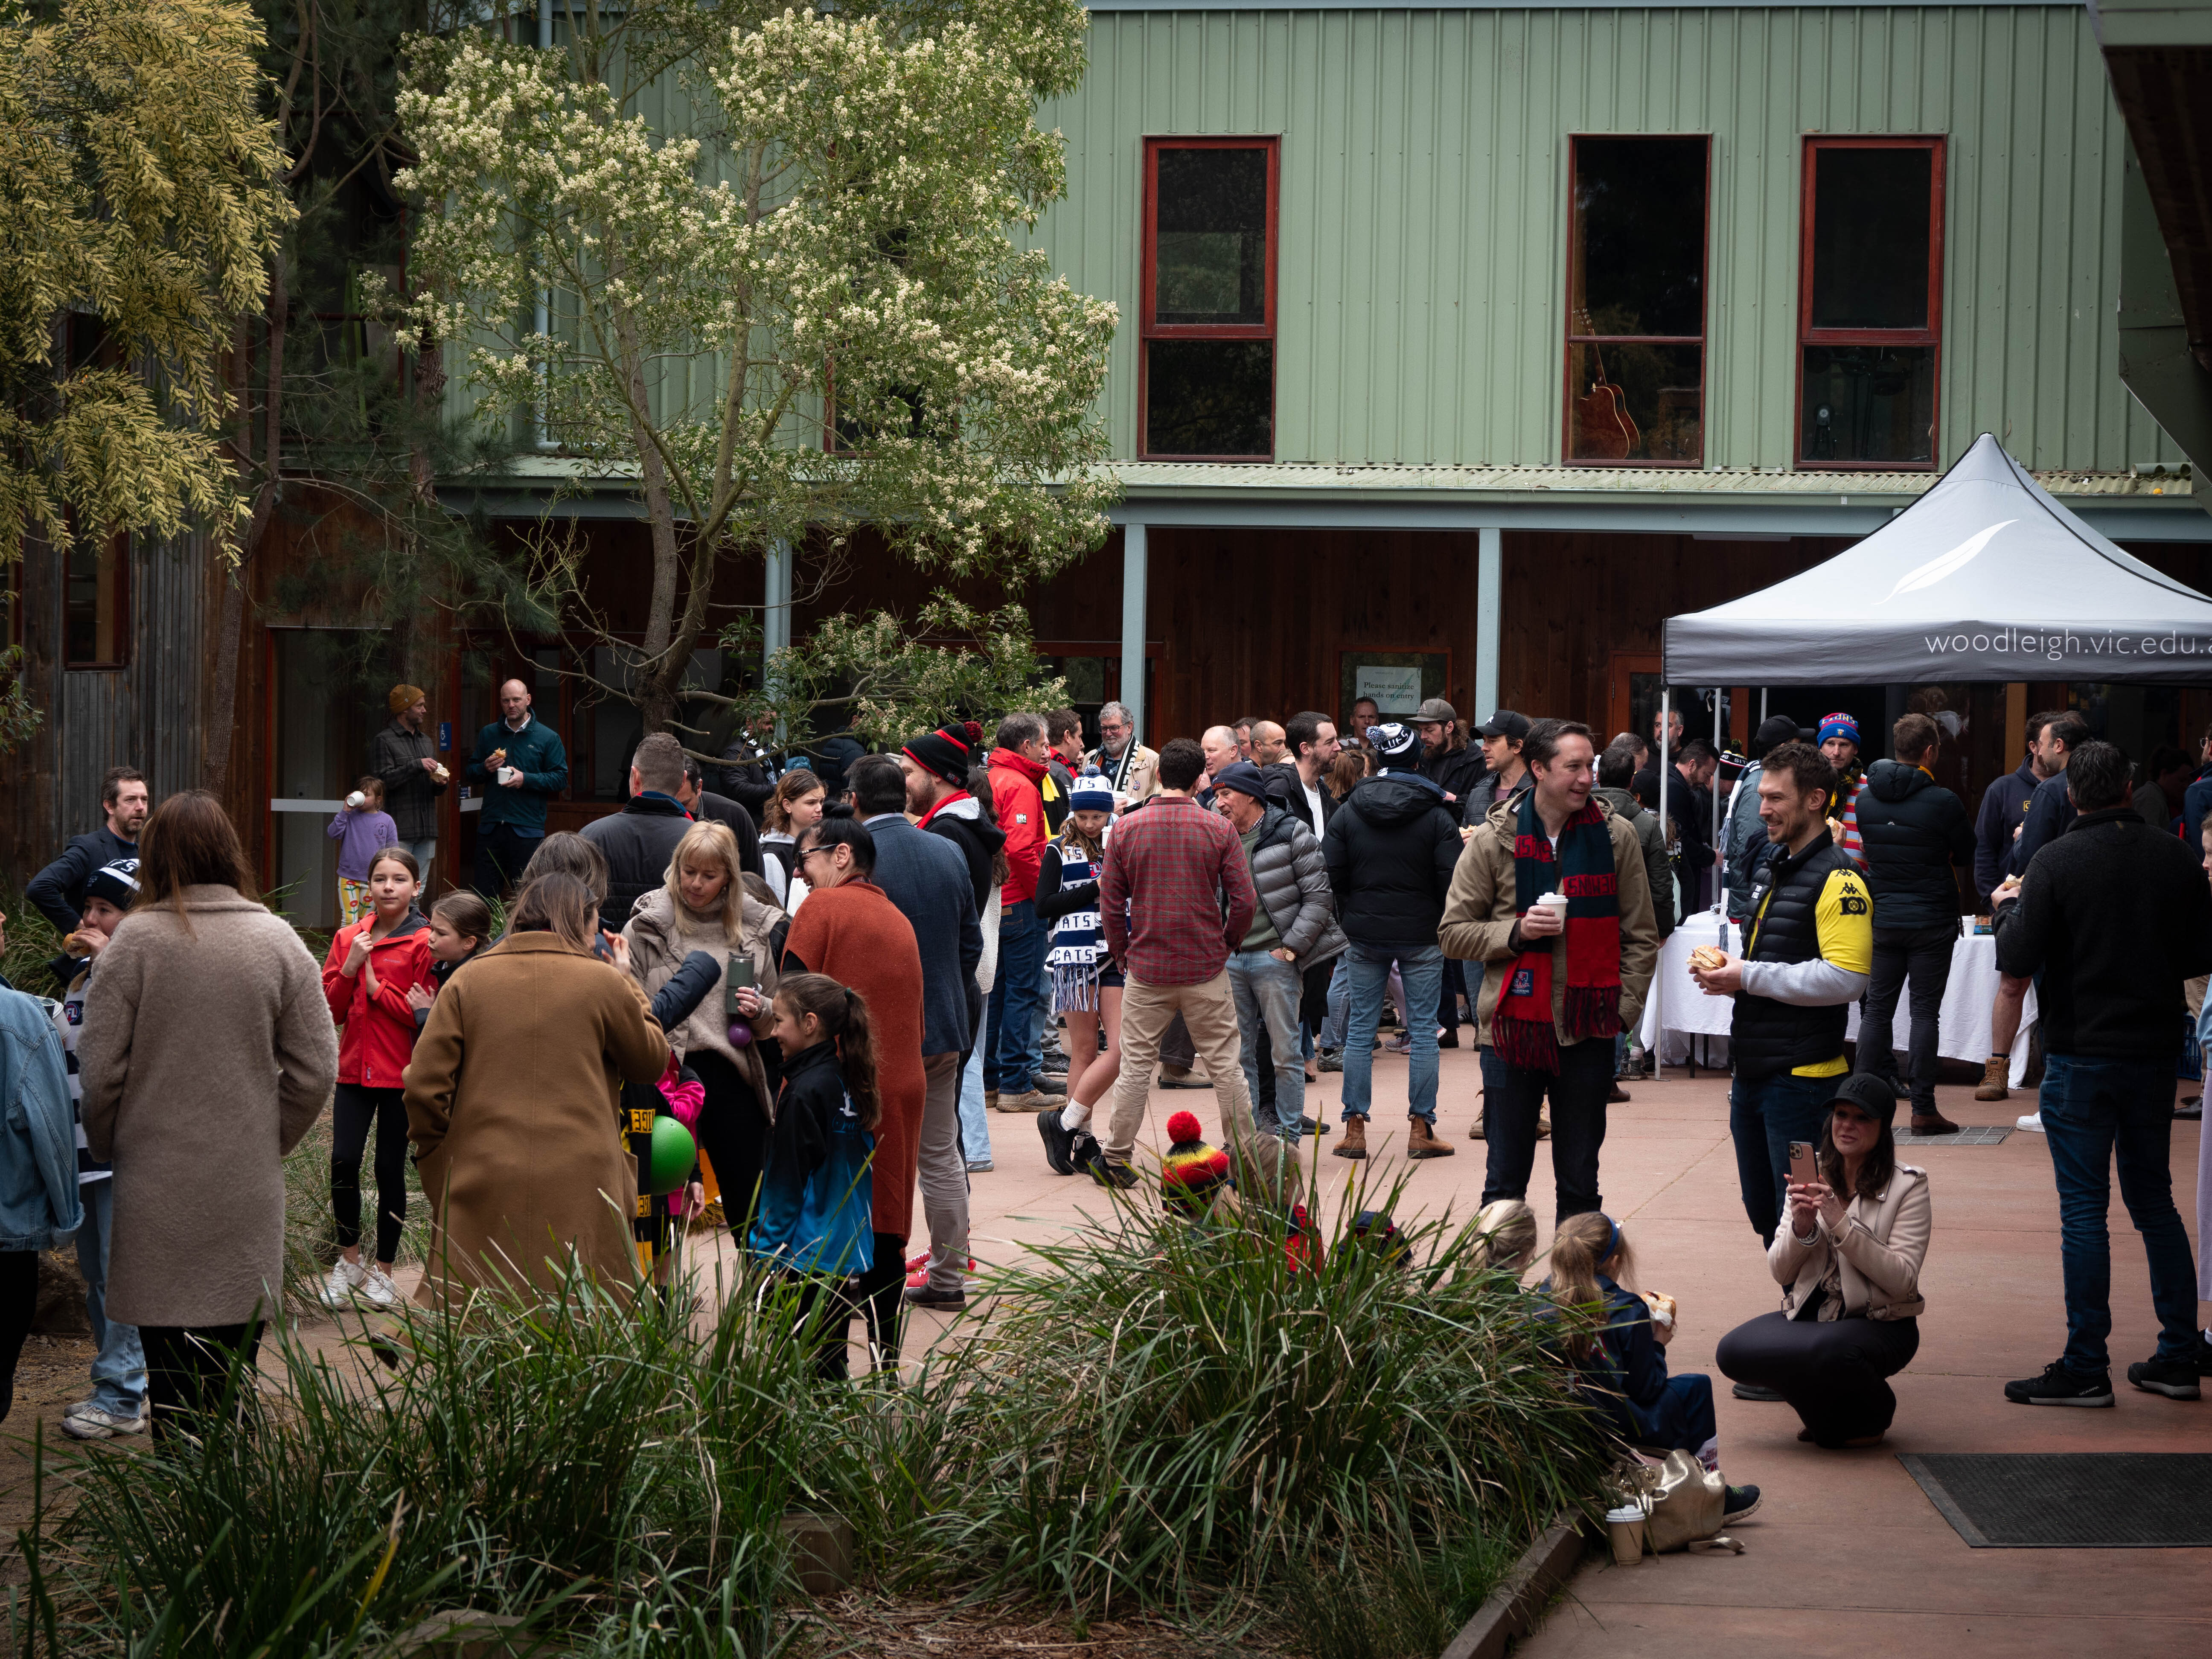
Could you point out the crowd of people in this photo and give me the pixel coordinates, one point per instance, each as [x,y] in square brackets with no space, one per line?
[831,1002]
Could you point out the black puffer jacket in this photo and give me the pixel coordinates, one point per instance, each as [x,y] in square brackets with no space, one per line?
[1390,854]
[638,842]
[1913,831]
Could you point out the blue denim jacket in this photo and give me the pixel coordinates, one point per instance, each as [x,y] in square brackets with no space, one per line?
[38,1204]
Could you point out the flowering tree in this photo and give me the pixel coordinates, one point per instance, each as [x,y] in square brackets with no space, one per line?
[775,250]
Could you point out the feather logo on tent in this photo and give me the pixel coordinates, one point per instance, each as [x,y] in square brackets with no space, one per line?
[1935,569]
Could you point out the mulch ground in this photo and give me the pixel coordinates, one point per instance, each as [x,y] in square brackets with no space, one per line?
[869,1628]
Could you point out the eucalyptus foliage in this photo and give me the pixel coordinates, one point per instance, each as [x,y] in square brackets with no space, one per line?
[774,248]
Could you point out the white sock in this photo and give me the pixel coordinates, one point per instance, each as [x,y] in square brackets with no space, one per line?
[1074,1115]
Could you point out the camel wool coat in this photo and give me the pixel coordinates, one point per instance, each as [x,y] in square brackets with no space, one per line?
[207,1052]
[512,1101]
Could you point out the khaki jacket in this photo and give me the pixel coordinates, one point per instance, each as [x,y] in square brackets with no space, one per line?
[1480,910]
[1882,1243]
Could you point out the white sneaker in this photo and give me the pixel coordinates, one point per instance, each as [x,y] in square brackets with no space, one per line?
[2032,1123]
[377,1288]
[86,1421]
[345,1278]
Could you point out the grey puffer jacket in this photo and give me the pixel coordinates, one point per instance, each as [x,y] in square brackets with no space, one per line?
[1291,880]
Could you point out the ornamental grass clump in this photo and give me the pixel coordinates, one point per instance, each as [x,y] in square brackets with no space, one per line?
[1161,1413]
[583,1465]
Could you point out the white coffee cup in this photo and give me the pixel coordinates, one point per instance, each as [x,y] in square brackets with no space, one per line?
[357,798]
[1557,902]
[509,774]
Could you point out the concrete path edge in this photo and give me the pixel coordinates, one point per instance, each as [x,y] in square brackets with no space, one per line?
[1511,1608]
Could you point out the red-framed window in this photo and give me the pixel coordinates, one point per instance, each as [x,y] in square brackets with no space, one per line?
[1637,224]
[1870,303]
[1206,374]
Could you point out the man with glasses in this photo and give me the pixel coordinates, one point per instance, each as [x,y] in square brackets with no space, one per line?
[1131,771]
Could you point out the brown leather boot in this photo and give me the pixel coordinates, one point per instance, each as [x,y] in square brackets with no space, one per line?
[1421,1139]
[1994,1070]
[1354,1144]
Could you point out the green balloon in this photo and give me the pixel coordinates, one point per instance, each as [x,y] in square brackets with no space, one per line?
[673,1157]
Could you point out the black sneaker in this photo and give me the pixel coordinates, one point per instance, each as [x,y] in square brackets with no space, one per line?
[2174,1378]
[1083,1151]
[1753,1391]
[1053,1088]
[2061,1386]
[1113,1172]
[1740,1504]
[921,1296]
[1308,1127]
[1059,1141]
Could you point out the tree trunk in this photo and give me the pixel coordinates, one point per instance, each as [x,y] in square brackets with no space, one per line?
[656,689]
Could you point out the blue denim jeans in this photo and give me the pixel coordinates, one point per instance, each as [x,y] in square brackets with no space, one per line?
[1764,1118]
[1422,969]
[2093,1111]
[1010,1066]
[118,1369]
[1339,1006]
[1267,993]
[974,1120]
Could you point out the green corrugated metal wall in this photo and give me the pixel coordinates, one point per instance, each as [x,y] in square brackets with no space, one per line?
[1421,286]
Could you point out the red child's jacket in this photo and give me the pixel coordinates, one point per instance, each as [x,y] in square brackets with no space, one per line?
[376,1037]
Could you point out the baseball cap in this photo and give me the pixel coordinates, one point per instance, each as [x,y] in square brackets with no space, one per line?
[1505,724]
[1434,708]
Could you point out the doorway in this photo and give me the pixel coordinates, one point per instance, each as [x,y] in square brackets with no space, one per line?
[329,685]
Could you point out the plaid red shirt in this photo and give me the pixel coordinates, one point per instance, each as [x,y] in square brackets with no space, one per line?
[1169,868]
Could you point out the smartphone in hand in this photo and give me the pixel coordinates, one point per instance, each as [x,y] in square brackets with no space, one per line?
[1803,1169]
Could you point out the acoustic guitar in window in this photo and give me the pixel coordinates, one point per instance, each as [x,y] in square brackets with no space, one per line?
[1603,430]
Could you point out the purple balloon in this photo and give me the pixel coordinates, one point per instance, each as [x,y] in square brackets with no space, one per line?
[740,1034]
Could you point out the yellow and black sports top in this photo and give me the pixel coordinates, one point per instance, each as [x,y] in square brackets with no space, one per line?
[1807,959]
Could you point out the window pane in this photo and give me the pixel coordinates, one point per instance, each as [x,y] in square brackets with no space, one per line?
[1209,398]
[1636,402]
[93,619]
[1639,236]
[1212,237]
[1871,238]
[1869,403]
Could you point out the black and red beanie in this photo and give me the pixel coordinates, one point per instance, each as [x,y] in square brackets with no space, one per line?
[946,753]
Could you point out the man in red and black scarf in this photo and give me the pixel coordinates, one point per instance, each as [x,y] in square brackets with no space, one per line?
[1563,977]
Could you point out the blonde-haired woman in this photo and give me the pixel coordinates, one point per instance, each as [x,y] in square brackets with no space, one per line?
[704,906]
[1619,1357]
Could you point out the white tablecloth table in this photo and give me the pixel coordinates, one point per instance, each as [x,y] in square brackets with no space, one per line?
[1968,998]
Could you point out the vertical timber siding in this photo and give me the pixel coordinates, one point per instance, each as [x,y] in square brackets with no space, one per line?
[1423,225]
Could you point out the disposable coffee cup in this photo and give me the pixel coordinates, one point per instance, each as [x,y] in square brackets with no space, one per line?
[1557,902]
[509,773]
[1624,1530]
[356,799]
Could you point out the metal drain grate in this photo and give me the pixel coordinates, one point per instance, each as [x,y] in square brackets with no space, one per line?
[2070,1500]
[1966,1137]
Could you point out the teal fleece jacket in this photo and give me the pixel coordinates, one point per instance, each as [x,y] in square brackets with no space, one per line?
[544,765]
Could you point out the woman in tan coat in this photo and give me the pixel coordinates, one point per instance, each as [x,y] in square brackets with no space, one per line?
[704,906]
[512,1104]
[207,1052]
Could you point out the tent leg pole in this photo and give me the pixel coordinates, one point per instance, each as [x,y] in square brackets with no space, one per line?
[1658,993]
[1720,725]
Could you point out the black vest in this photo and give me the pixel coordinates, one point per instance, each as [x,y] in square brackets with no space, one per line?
[1767,1037]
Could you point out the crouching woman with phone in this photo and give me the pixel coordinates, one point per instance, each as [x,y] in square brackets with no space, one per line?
[1848,1256]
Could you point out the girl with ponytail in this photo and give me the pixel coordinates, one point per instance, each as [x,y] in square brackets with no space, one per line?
[1619,1350]
[814,1219]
